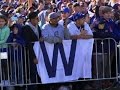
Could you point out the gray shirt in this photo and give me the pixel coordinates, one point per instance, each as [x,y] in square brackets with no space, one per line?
[54,34]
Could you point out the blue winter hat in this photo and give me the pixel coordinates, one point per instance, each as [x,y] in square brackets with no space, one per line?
[65,10]
[78,16]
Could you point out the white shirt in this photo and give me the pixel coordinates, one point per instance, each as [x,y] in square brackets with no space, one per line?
[75,31]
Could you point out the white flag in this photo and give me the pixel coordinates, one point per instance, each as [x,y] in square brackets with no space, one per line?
[64,62]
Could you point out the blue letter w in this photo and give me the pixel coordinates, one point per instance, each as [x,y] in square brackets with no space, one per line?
[68,66]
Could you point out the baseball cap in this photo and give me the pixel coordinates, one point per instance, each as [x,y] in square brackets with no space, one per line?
[53,15]
[78,16]
[65,10]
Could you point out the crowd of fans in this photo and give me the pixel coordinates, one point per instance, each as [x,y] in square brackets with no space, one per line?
[99,15]
[56,20]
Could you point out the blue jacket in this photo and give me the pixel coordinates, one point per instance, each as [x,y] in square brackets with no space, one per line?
[17,37]
[107,29]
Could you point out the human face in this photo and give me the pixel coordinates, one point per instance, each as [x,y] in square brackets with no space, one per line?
[80,21]
[54,21]
[84,8]
[15,30]
[64,15]
[35,21]
[2,22]
[87,18]
[107,15]
[76,9]
[20,20]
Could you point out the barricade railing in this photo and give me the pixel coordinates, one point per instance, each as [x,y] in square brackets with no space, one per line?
[105,58]
[16,65]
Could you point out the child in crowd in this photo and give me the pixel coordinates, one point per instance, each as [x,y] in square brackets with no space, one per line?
[16,54]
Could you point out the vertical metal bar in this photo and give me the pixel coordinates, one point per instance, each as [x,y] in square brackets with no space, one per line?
[116,61]
[22,63]
[8,65]
[25,64]
[15,65]
[103,58]
[17,62]
[36,78]
[10,54]
[1,69]
[118,66]
[25,53]
[109,57]
[29,66]
[96,58]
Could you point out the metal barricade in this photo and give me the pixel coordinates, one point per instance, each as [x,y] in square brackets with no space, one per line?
[105,62]
[16,65]
[104,54]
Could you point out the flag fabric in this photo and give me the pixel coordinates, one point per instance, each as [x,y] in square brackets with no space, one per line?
[64,62]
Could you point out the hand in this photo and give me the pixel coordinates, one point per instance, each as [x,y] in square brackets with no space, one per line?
[35,61]
[41,39]
[14,44]
[58,40]
[14,40]
[83,32]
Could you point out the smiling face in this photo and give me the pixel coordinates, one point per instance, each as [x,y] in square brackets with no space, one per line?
[65,15]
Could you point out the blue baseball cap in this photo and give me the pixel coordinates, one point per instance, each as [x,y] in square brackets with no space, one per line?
[65,10]
[78,16]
